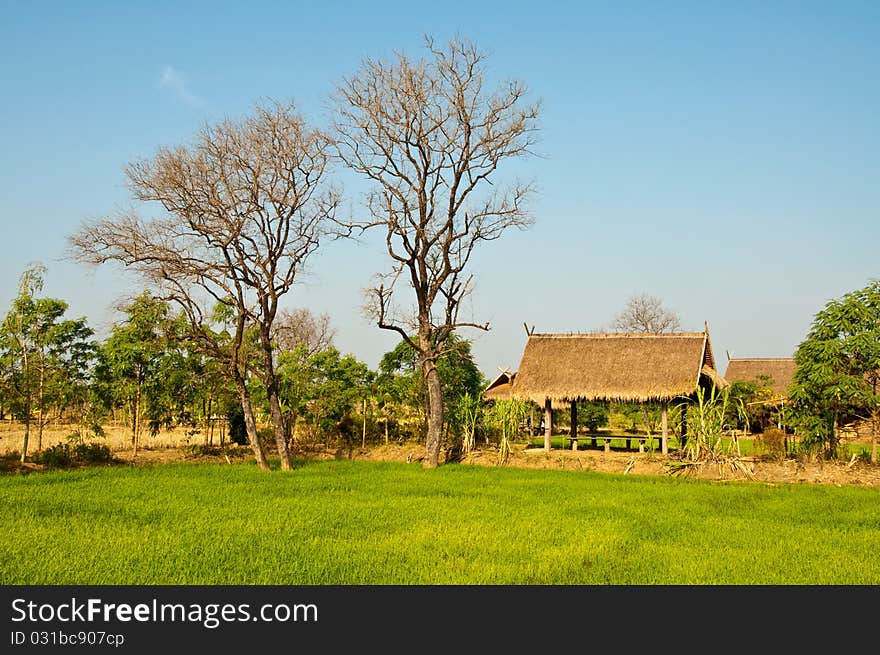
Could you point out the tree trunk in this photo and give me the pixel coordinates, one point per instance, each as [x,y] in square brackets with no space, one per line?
[250,424]
[210,422]
[27,405]
[271,383]
[435,415]
[27,428]
[832,442]
[136,421]
[40,408]
[278,428]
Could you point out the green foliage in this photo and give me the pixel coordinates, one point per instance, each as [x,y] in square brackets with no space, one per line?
[631,413]
[401,384]
[92,453]
[65,455]
[58,456]
[468,414]
[147,367]
[593,415]
[755,399]
[45,360]
[708,420]
[323,389]
[507,418]
[838,363]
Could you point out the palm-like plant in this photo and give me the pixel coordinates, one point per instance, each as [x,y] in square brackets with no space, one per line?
[711,415]
[507,416]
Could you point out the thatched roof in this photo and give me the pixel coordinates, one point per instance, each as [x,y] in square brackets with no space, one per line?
[499,388]
[617,366]
[780,370]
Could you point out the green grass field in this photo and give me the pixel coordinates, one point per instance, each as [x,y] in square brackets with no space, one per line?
[355,522]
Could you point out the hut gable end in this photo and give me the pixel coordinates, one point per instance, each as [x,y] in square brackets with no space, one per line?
[499,388]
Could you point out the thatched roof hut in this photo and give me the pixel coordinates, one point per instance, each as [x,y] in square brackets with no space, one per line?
[618,366]
[499,388]
[778,371]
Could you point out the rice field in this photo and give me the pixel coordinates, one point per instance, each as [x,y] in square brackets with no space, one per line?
[376,523]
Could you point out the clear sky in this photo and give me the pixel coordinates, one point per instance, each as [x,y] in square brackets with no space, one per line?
[723,156]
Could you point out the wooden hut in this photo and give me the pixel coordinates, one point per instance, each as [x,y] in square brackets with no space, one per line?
[566,368]
[776,373]
[773,373]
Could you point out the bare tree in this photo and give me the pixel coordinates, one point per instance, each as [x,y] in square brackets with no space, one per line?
[243,208]
[430,139]
[644,313]
[301,327]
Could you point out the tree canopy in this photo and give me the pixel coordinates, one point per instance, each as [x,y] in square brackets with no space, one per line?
[838,369]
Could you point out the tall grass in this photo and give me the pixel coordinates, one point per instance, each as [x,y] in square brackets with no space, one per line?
[356,522]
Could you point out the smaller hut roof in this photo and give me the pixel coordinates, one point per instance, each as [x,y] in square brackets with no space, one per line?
[499,388]
[780,371]
[617,366]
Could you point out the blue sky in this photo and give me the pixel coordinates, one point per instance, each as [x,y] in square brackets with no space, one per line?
[722,156]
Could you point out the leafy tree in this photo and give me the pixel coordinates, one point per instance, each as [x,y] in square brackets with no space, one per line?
[138,368]
[324,388]
[45,359]
[593,415]
[401,379]
[838,370]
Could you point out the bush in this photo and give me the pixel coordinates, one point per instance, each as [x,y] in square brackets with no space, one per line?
[204,450]
[770,443]
[58,456]
[237,427]
[63,455]
[92,453]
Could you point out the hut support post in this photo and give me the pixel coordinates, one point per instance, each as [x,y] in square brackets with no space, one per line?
[573,431]
[664,444]
[548,423]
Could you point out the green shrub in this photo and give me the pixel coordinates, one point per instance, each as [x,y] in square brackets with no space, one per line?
[92,453]
[64,455]
[58,456]
[200,450]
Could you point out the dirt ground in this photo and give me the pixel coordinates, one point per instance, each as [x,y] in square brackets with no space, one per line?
[173,446]
[623,462]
